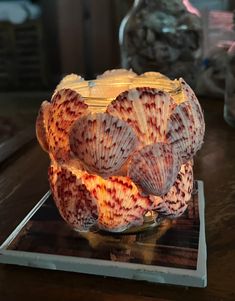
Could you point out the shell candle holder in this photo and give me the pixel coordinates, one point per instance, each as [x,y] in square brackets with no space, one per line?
[121,148]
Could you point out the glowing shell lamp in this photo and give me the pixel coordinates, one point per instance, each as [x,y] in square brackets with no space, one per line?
[121,148]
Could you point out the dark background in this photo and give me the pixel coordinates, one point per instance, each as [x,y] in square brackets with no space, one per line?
[79,36]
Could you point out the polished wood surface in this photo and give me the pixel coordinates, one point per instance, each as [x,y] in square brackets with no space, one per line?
[23,180]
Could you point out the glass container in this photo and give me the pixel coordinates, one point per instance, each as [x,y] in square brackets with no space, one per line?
[162,36]
[229,101]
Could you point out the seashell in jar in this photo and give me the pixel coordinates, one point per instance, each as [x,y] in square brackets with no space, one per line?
[75,203]
[154,168]
[42,125]
[66,107]
[165,53]
[146,110]
[102,142]
[175,202]
[158,20]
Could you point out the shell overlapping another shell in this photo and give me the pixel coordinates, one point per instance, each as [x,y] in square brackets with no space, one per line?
[102,142]
[154,168]
[175,202]
[85,200]
[121,147]
[120,205]
[146,110]
[76,204]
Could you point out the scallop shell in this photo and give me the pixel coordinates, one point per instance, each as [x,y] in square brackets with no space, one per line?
[75,203]
[154,168]
[153,75]
[120,204]
[42,124]
[175,202]
[66,107]
[146,110]
[117,74]
[187,91]
[183,93]
[71,81]
[186,129]
[102,142]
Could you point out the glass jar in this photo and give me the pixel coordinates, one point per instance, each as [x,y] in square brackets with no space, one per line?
[229,101]
[163,36]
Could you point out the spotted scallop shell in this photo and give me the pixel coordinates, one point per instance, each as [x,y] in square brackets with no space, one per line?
[175,202]
[186,129]
[66,107]
[146,110]
[154,168]
[75,203]
[102,142]
[42,125]
[120,204]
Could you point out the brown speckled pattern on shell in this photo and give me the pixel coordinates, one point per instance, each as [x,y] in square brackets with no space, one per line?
[154,168]
[175,202]
[102,142]
[146,110]
[119,201]
[76,204]
[42,125]
[110,169]
[66,107]
[186,129]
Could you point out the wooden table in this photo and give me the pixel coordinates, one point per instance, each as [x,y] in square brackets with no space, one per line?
[23,180]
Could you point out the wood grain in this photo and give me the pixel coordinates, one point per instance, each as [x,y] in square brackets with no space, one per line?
[23,180]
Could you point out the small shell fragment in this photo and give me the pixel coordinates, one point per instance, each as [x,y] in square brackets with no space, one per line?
[66,107]
[154,168]
[75,203]
[146,110]
[102,142]
[42,125]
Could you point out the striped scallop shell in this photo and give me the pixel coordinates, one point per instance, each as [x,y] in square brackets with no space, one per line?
[187,91]
[175,202]
[154,168]
[186,129]
[75,203]
[146,110]
[66,107]
[120,204]
[102,142]
[42,125]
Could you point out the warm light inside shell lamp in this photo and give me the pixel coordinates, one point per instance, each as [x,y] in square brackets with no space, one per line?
[121,148]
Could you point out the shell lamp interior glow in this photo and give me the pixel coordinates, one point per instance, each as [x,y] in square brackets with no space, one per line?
[121,148]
